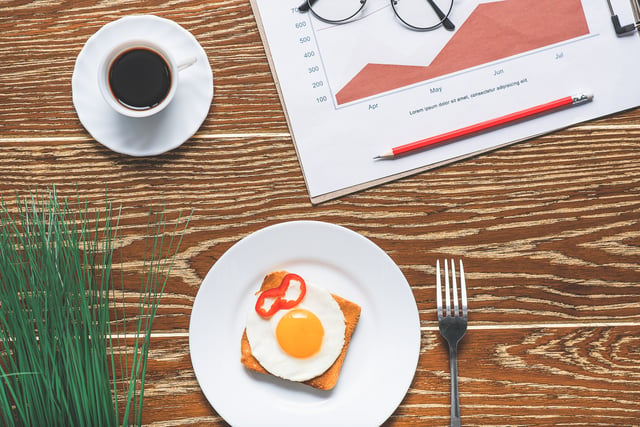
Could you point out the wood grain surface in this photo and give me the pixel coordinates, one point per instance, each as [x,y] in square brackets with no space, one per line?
[549,229]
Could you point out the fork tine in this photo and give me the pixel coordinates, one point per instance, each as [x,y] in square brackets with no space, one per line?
[463,291]
[447,291]
[454,290]
[438,290]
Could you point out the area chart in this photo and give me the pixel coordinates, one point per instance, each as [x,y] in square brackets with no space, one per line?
[492,32]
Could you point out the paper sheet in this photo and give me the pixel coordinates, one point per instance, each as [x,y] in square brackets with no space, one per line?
[355,90]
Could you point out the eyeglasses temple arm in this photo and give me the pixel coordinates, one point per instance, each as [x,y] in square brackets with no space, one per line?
[446,22]
[304,7]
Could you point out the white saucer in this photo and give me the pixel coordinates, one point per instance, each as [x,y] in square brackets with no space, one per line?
[169,128]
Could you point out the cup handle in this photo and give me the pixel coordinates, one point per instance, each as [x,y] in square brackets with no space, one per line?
[187,63]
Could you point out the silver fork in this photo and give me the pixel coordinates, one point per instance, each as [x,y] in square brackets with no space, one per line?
[453,325]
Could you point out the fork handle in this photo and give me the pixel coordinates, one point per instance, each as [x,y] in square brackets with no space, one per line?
[455,399]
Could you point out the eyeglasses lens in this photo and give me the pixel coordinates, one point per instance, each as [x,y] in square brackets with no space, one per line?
[336,10]
[422,14]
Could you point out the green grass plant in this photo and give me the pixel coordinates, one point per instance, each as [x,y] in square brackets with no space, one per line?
[68,355]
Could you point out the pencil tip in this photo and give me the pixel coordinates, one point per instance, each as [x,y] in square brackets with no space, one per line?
[384,156]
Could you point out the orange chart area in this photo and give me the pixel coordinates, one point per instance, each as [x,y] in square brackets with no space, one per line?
[493,31]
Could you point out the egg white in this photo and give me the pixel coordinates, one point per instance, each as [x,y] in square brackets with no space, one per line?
[261,334]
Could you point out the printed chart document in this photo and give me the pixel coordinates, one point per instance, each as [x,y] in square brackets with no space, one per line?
[356,90]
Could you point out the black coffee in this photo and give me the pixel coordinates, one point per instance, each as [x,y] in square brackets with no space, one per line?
[139,78]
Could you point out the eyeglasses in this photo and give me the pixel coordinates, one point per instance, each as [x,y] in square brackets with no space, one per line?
[419,15]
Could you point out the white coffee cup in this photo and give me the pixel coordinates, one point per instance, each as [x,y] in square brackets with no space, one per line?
[150,78]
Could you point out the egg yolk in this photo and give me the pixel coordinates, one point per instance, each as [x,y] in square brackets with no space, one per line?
[300,333]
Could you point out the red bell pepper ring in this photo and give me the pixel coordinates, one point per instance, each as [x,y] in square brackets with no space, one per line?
[279,296]
[286,284]
[269,310]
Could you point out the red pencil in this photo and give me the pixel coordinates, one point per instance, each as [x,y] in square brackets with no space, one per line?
[486,125]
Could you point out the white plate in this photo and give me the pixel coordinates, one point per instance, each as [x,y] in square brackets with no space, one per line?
[381,360]
[169,128]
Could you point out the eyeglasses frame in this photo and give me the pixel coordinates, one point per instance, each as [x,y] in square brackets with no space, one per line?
[444,17]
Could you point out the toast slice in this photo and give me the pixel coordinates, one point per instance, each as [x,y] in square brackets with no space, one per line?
[329,378]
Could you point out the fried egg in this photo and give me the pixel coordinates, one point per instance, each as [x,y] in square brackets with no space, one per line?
[302,342]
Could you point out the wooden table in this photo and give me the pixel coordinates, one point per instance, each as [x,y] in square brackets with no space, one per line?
[549,229]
